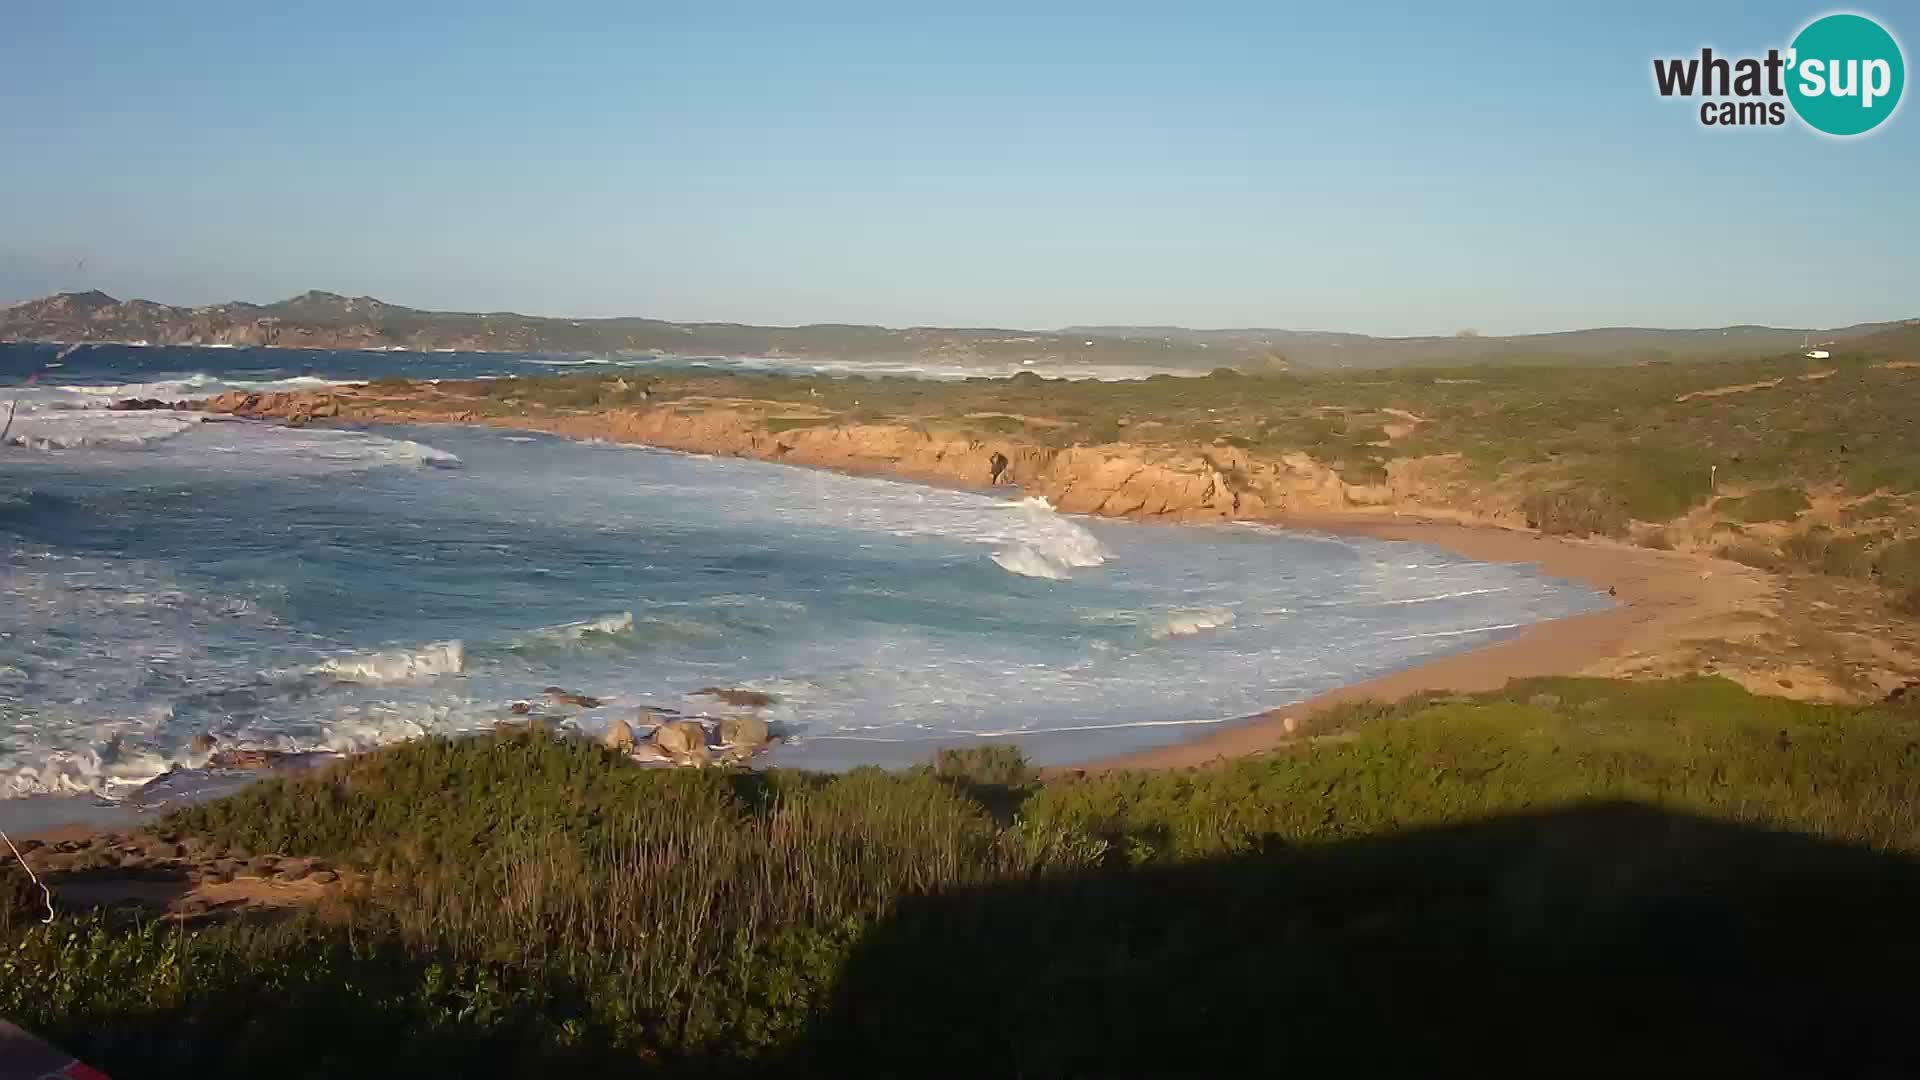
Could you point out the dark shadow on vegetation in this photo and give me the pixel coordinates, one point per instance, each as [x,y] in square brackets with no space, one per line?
[1602,939]
[1394,902]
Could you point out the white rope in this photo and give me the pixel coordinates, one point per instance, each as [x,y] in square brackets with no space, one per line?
[45,893]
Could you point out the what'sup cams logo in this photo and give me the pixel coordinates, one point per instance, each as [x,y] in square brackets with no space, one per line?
[1842,76]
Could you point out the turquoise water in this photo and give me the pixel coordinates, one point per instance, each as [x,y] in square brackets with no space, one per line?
[336,589]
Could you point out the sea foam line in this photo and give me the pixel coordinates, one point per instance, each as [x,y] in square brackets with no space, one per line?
[1458,633]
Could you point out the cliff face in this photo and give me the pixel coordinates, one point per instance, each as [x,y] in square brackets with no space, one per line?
[1126,480]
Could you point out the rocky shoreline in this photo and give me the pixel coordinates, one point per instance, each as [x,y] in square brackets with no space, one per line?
[1680,612]
[1121,480]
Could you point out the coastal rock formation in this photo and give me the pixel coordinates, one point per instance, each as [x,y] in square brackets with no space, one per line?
[752,699]
[618,736]
[683,741]
[742,735]
[1129,480]
[560,695]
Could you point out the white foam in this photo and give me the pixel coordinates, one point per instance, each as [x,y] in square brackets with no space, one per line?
[1459,633]
[397,665]
[77,417]
[1047,545]
[1188,623]
[620,622]
[1023,560]
[1445,596]
[72,429]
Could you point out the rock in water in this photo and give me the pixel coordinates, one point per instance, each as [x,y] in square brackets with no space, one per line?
[201,745]
[564,696]
[682,740]
[750,699]
[246,758]
[743,733]
[618,737]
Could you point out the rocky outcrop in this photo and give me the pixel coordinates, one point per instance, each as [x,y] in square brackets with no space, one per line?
[618,736]
[682,741]
[750,699]
[742,735]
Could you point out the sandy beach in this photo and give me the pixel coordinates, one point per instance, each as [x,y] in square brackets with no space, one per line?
[1667,602]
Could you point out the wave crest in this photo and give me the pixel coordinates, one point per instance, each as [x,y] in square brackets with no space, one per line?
[1188,623]
[1048,545]
[397,665]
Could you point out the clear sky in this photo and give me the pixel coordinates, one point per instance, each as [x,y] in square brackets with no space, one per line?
[1387,169]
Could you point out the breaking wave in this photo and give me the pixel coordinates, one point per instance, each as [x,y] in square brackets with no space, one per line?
[397,665]
[1049,546]
[1188,623]
[620,622]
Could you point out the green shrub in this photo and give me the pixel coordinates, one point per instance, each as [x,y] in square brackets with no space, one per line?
[1847,556]
[543,907]
[1656,539]
[1772,504]
[777,424]
[1003,766]
[1757,556]
[1898,564]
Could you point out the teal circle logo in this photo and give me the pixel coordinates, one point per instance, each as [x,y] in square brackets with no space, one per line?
[1845,74]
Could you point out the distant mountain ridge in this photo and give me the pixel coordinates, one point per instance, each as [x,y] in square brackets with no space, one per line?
[324,320]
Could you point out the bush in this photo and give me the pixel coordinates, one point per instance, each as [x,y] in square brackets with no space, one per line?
[1773,504]
[547,909]
[1908,603]
[1575,512]
[1757,556]
[1002,766]
[1847,556]
[1898,565]
[1657,539]
[1823,553]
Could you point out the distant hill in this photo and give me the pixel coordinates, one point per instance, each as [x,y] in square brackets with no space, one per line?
[1318,349]
[331,321]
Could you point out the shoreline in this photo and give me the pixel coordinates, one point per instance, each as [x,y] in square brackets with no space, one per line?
[1665,600]
[1670,602]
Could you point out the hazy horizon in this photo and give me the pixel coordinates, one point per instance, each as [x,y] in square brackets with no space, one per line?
[6,302]
[1393,172]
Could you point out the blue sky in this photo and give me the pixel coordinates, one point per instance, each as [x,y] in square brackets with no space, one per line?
[1388,169]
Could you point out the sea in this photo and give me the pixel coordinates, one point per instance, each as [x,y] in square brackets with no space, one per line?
[329,590]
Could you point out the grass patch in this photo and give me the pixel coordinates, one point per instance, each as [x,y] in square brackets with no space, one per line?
[1495,871]
[777,424]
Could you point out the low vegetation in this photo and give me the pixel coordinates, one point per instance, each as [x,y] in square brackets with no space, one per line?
[1568,875]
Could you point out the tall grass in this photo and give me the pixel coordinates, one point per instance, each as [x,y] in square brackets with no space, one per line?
[534,902]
